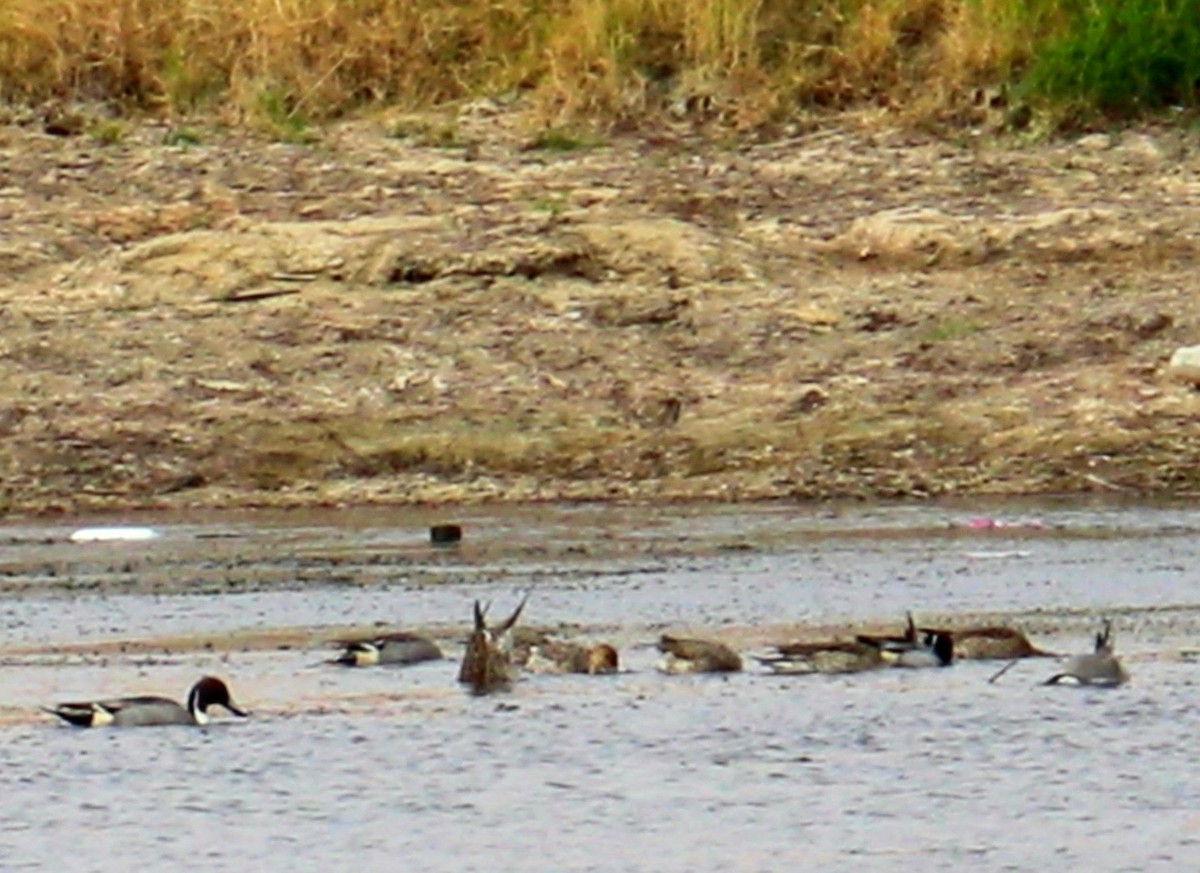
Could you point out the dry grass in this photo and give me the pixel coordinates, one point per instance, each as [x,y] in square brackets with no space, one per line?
[285,61]
[272,454]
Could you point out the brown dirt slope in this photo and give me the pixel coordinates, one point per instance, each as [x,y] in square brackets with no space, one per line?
[244,322]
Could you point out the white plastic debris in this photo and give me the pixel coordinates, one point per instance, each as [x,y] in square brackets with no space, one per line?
[113,534]
[1184,365]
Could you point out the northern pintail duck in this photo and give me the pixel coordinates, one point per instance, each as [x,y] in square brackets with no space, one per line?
[990,643]
[834,656]
[885,641]
[556,657]
[148,710]
[398,648]
[487,662]
[1100,667]
[687,655]
[526,639]
[934,649]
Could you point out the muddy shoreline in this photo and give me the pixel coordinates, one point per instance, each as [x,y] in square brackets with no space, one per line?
[230,584]
[847,311]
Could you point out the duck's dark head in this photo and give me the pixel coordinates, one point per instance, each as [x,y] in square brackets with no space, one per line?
[359,653]
[211,691]
[943,648]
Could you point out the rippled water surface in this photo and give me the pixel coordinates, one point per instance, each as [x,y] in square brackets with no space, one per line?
[375,770]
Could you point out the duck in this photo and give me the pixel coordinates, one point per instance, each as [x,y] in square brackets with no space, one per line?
[832,657]
[399,648]
[907,639]
[990,642]
[689,655]
[1101,667]
[934,649]
[557,658]
[487,661]
[526,639]
[146,711]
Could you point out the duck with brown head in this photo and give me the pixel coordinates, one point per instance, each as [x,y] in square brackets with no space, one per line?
[487,661]
[989,642]
[559,657]
[691,655]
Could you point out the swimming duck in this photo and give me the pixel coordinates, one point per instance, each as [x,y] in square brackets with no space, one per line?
[686,655]
[834,656]
[487,662]
[990,642]
[148,710]
[932,650]
[401,648]
[1101,667]
[552,657]
[935,650]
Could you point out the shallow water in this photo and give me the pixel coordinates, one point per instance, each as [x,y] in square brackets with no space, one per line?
[371,769]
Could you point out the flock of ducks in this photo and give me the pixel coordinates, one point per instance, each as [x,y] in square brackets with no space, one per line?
[495,657]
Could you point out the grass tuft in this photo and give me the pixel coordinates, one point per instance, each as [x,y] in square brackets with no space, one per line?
[182,136]
[949,329]
[562,140]
[107,132]
[282,118]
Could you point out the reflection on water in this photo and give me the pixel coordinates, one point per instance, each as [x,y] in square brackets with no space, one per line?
[372,770]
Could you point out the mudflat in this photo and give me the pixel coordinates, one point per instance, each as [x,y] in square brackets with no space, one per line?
[217,319]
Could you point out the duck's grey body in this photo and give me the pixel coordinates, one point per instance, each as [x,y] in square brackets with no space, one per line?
[891,642]
[1101,667]
[933,650]
[148,710]
[399,648]
[127,712]
[832,657]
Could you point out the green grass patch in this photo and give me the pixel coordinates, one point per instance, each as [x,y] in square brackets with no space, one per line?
[1120,56]
[181,135]
[553,205]
[429,133]
[107,132]
[949,329]
[558,140]
[283,119]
